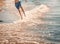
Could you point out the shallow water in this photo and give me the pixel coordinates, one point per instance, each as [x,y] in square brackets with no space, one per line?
[50,30]
[47,32]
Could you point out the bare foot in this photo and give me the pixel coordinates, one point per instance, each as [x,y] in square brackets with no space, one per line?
[24,14]
[21,17]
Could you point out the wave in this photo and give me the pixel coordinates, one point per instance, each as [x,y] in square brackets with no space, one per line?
[38,11]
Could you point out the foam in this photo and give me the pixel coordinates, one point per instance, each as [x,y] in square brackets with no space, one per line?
[34,13]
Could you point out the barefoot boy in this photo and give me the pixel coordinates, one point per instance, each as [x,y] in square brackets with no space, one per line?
[18,6]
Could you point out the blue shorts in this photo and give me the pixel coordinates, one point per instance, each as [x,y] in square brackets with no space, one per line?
[18,4]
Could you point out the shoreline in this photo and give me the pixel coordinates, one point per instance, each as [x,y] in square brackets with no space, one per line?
[17,33]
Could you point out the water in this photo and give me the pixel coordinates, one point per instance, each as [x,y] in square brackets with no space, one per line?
[8,13]
[51,30]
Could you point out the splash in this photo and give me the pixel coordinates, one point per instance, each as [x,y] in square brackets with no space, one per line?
[33,14]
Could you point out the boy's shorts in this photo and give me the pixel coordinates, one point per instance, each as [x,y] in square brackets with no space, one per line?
[18,4]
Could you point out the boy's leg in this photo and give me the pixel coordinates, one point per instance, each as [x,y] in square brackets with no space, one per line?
[23,10]
[20,13]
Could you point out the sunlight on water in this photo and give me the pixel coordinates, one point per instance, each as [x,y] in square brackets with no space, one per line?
[51,19]
[40,28]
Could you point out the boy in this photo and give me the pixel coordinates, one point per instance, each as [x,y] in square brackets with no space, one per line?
[18,6]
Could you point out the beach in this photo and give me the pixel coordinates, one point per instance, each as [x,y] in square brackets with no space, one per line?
[35,28]
[16,31]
